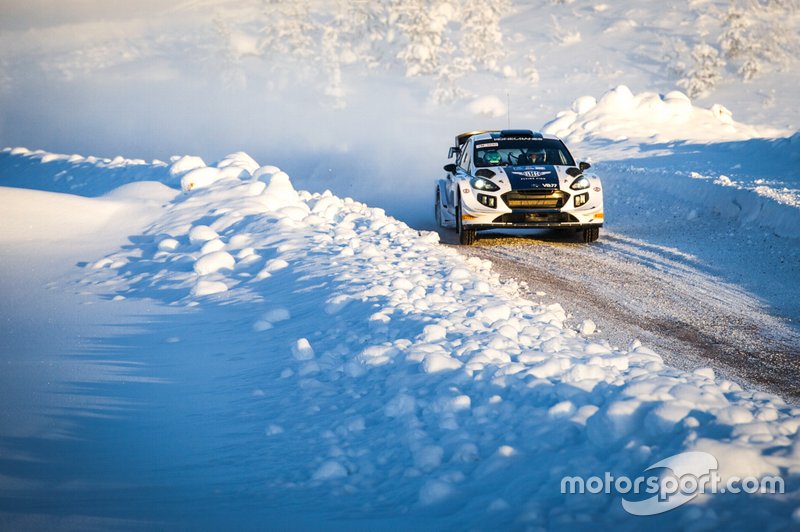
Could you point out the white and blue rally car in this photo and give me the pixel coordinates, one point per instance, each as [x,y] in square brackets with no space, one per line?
[517,179]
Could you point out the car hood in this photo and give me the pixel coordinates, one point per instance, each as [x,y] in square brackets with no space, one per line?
[531,176]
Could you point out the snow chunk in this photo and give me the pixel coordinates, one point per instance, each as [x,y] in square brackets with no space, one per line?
[496,312]
[436,362]
[434,491]
[330,470]
[302,350]
[187,163]
[562,409]
[273,265]
[270,317]
[734,415]
[460,274]
[199,178]
[202,233]
[212,246]
[280,192]
[666,416]
[378,355]
[206,288]
[265,172]
[168,244]
[213,262]
[588,327]
[433,333]
[241,161]
[708,373]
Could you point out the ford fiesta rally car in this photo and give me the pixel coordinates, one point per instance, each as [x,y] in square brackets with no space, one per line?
[517,179]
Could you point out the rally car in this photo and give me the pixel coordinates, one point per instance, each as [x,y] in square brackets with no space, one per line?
[517,179]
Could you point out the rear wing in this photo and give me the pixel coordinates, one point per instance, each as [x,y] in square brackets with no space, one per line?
[462,138]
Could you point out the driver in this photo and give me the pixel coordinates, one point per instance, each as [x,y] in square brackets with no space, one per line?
[533,157]
[537,157]
[492,158]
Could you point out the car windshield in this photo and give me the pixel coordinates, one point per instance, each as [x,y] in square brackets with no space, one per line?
[505,152]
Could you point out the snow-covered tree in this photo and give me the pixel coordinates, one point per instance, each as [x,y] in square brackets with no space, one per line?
[752,41]
[288,29]
[423,24]
[363,31]
[481,37]
[734,40]
[329,39]
[706,71]
[330,55]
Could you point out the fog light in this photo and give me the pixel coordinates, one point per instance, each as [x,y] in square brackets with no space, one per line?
[489,201]
[581,199]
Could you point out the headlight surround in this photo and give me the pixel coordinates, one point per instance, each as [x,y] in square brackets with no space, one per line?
[581,183]
[479,183]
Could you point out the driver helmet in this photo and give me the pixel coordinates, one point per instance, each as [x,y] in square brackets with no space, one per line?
[537,157]
[492,158]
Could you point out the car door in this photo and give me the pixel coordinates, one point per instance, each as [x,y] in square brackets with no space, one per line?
[462,172]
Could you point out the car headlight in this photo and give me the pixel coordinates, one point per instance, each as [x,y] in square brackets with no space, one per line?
[480,183]
[580,184]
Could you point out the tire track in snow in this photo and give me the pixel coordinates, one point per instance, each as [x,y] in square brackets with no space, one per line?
[635,290]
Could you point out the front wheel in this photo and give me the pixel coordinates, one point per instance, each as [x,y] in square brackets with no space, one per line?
[590,234]
[437,209]
[466,235]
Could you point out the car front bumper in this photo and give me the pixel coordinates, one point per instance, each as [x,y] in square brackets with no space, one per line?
[478,216]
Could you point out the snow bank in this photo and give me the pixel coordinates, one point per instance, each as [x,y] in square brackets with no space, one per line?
[619,115]
[21,167]
[76,174]
[435,378]
[760,188]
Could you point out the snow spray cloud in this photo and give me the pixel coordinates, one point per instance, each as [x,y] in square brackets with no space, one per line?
[672,482]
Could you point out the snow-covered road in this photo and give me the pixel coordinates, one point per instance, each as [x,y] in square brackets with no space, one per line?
[632,289]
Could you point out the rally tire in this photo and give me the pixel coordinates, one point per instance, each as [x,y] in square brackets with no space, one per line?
[466,235]
[437,209]
[590,234]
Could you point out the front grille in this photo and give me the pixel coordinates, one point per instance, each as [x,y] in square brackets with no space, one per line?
[535,199]
[534,218]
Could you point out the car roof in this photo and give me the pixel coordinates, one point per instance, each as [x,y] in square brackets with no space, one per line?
[493,134]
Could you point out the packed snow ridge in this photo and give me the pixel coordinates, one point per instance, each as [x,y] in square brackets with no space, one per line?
[435,377]
[75,174]
[756,188]
[619,115]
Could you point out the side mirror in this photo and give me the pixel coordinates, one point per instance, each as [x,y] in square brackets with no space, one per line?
[450,168]
[584,166]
